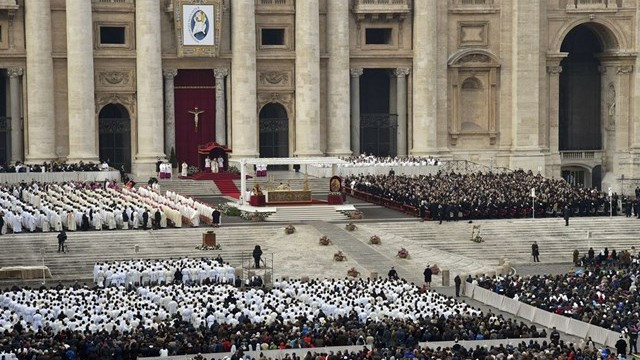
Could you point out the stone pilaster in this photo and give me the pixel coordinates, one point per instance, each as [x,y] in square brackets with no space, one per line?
[401,108]
[355,110]
[221,101]
[554,120]
[149,87]
[338,77]
[17,153]
[41,125]
[80,98]
[425,126]
[244,132]
[307,37]
[169,110]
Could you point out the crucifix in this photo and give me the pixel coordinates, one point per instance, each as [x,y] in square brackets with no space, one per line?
[195,113]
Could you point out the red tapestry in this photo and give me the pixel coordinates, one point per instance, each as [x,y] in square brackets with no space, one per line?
[194,89]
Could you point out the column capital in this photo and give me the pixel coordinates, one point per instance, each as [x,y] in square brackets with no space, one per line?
[356,72]
[14,72]
[169,73]
[401,72]
[554,69]
[624,69]
[220,72]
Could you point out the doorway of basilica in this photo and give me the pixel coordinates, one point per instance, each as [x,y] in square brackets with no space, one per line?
[378,125]
[274,132]
[114,126]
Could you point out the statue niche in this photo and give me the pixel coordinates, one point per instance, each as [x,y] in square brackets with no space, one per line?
[474,106]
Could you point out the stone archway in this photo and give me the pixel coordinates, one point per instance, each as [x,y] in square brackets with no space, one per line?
[114,124]
[274,131]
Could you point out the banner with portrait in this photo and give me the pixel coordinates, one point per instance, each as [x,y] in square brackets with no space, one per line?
[198,27]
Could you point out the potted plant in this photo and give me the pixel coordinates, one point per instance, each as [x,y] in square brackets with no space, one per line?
[356,215]
[289,229]
[351,226]
[375,240]
[339,256]
[324,240]
[353,272]
[403,253]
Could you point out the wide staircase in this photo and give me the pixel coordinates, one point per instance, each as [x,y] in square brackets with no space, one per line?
[306,213]
[513,238]
[190,187]
[87,248]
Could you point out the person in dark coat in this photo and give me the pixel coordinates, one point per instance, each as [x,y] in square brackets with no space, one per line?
[554,336]
[621,346]
[177,276]
[145,220]
[157,217]
[566,215]
[458,281]
[427,275]
[1,221]
[85,223]
[215,216]
[62,237]
[257,254]
[392,274]
[535,252]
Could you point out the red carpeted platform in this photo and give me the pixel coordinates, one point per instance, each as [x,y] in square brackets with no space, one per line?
[227,187]
[215,176]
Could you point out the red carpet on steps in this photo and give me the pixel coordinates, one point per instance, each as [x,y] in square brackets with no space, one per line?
[227,187]
[215,176]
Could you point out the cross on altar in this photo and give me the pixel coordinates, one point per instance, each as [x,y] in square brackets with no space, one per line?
[195,113]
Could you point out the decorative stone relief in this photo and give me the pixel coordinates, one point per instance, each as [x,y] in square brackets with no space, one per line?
[126,100]
[275,78]
[473,34]
[115,79]
[475,58]
[286,99]
[625,69]
[554,69]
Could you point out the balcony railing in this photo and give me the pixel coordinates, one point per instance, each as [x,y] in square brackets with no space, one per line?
[592,4]
[472,2]
[372,7]
[586,157]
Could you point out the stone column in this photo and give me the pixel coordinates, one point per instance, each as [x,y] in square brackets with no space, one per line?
[16,120]
[169,111]
[244,132]
[307,78]
[401,98]
[149,87]
[221,101]
[355,110]
[623,120]
[338,77]
[425,126]
[554,119]
[41,125]
[80,98]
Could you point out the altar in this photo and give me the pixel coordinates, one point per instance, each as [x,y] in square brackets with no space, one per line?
[288,196]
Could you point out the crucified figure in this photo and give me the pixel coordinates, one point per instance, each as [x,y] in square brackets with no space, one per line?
[195,113]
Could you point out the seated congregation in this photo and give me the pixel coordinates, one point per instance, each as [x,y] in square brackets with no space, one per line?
[86,206]
[181,319]
[605,294]
[451,196]
[53,166]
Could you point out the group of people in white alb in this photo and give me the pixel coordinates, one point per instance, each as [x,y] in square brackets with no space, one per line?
[92,206]
[205,305]
[161,272]
[213,165]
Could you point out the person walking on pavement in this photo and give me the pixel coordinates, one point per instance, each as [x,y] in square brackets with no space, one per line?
[567,215]
[535,251]
[458,282]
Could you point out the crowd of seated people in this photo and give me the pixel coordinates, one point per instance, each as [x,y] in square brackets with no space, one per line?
[93,206]
[605,294]
[53,166]
[451,196]
[121,322]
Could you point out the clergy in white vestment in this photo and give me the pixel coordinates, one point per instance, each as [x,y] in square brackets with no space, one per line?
[184,169]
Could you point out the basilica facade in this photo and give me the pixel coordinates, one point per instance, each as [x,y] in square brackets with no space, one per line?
[546,85]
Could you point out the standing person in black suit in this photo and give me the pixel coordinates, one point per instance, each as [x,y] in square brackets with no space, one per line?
[145,220]
[566,215]
[535,252]
[1,221]
[427,275]
[257,254]
[157,217]
[215,216]
[62,237]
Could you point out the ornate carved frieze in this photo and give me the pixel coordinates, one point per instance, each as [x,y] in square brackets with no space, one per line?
[126,100]
[284,98]
[624,69]
[475,58]
[275,79]
[120,79]
[554,69]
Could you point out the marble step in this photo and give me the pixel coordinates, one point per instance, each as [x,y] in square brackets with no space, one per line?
[306,213]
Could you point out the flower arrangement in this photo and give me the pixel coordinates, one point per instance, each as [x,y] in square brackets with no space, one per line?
[209,248]
[339,256]
[289,229]
[477,239]
[253,216]
[350,226]
[191,170]
[375,240]
[403,253]
[325,241]
[356,215]
[353,272]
